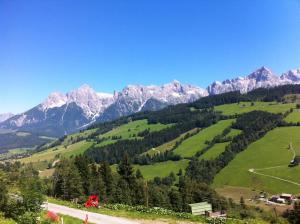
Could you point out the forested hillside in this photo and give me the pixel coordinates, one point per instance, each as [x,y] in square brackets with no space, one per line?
[180,151]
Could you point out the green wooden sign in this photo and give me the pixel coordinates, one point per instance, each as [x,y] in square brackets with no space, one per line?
[200,208]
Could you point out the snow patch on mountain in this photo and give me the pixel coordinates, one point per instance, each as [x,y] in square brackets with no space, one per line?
[5,116]
[261,78]
[55,99]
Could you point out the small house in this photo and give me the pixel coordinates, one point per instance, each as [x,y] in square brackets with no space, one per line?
[200,208]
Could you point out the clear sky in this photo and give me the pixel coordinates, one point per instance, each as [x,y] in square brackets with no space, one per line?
[58,45]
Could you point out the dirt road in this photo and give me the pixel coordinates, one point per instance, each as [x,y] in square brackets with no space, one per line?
[92,217]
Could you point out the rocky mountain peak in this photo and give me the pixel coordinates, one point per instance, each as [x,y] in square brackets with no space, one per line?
[54,99]
[261,74]
[291,76]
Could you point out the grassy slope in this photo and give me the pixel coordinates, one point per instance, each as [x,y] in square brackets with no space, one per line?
[67,149]
[213,152]
[128,130]
[233,133]
[294,116]
[244,107]
[189,147]
[50,154]
[162,169]
[169,145]
[271,150]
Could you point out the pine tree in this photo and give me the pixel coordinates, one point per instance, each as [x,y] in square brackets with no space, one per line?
[139,174]
[97,186]
[82,164]
[67,181]
[107,177]
[125,170]
[3,191]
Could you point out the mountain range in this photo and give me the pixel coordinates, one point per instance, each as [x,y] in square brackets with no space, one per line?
[61,114]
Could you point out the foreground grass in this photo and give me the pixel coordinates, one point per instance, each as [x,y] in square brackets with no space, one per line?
[244,107]
[6,221]
[189,147]
[132,214]
[270,151]
[153,218]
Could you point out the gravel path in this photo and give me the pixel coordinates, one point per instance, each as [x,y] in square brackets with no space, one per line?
[92,217]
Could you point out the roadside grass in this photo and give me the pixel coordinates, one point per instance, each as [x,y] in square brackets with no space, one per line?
[151,218]
[190,146]
[138,215]
[270,151]
[244,107]
[66,219]
[293,117]
[214,151]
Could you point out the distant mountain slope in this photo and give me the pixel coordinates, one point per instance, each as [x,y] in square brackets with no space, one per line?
[62,114]
[5,116]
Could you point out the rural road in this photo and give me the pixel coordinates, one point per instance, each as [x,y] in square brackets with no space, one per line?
[274,177]
[92,217]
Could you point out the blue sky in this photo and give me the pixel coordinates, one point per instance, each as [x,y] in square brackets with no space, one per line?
[57,45]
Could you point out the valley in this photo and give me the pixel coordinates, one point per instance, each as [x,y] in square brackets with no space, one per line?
[238,146]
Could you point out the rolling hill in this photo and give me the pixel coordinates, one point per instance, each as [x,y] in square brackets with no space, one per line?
[237,140]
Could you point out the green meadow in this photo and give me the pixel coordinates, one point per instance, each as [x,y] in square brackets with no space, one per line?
[244,107]
[190,146]
[213,152]
[267,154]
[293,117]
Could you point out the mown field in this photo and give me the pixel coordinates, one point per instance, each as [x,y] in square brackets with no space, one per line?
[190,146]
[169,145]
[270,151]
[244,107]
[213,152]
[162,169]
[293,117]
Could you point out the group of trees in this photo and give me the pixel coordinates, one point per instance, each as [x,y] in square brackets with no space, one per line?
[76,178]
[23,203]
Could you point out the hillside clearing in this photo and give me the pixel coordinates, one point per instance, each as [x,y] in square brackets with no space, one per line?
[244,107]
[293,117]
[190,146]
[214,151]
